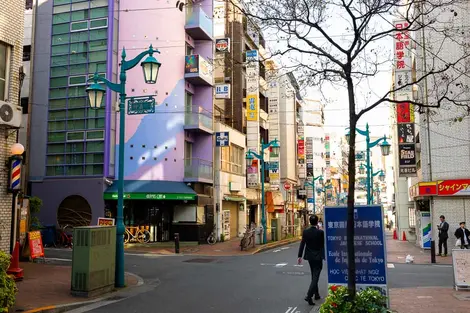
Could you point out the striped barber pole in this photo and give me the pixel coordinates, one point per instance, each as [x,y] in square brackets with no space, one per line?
[15,175]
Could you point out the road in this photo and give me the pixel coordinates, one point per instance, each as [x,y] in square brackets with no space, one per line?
[268,282]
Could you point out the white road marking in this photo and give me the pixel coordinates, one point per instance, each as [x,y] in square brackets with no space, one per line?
[292,310]
[284,248]
[390,265]
[281,264]
[424,297]
[277,250]
[442,265]
[267,264]
[298,265]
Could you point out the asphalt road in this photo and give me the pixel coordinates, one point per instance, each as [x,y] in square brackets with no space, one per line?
[268,282]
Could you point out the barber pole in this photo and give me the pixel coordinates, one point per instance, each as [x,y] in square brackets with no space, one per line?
[15,175]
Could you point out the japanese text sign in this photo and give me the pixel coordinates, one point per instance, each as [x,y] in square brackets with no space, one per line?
[35,244]
[369,243]
[405,113]
[252,113]
[402,46]
[407,154]
[105,221]
[453,187]
[406,133]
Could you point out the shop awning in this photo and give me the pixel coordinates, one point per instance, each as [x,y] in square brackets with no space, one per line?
[152,190]
[236,199]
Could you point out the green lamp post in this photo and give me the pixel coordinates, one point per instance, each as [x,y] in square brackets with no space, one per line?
[250,156]
[385,149]
[320,190]
[312,184]
[96,91]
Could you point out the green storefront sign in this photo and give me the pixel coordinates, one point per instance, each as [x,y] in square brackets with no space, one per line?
[151,196]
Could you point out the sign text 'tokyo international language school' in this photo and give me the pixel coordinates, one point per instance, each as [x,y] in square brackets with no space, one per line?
[371,262]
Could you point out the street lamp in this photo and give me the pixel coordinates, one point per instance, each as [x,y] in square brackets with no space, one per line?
[362,169]
[382,176]
[95,96]
[17,149]
[250,155]
[385,149]
[312,184]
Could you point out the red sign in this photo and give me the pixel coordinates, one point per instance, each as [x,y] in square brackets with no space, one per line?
[105,221]
[300,149]
[453,187]
[403,113]
[427,189]
[36,249]
[286,186]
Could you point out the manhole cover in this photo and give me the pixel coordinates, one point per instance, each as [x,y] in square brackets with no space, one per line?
[293,273]
[199,261]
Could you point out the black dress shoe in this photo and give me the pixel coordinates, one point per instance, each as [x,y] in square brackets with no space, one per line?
[317,297]
[309,300]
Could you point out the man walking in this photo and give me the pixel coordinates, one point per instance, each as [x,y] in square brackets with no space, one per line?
[463,235]
[443,235]
[312,248]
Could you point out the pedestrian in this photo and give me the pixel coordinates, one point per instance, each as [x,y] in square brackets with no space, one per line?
[312,248]
[320,224]
[463,236]
[443,235]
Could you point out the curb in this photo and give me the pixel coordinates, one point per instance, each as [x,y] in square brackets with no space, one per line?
[71,306]
[276,244]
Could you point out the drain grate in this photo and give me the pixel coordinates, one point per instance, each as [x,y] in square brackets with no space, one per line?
[201,260]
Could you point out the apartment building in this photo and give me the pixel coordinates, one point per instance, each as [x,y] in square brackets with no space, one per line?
[11,54]
[168,151]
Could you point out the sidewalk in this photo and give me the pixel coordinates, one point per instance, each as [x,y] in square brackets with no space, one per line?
[397,251]
[227,248]
[46,286]
[429,300]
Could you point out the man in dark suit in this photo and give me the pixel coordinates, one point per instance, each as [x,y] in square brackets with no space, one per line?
[312,248]
[464,235]
[443,235]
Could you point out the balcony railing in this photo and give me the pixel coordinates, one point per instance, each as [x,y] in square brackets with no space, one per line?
[198,119]
[198,170]
[198,24]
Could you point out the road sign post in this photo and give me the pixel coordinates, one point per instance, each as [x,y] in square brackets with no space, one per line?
[369,243]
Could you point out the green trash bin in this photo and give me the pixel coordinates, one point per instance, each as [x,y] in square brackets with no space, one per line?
[93,260]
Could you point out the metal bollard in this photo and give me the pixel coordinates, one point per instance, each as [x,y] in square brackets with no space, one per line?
[177,243]
[433,251]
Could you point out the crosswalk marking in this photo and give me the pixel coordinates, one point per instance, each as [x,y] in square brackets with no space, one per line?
[281,264]
[292,310]
[390,265]
[277,250]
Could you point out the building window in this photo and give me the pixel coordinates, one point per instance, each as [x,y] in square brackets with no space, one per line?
[412,217]
[78,26]
[77,80]
[27,53]
[233,158]
[28,5]
[4,70]
[24,105]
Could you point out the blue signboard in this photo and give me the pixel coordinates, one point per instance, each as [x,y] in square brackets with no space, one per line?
[310,200]
[369,243]
[221,139]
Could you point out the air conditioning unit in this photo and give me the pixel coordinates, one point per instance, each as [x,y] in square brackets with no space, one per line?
[10,114]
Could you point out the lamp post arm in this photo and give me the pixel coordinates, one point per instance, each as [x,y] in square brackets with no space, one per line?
[127,65]
[264,146]
[256,155]
[375,143]
[376,173]
[362,132]
[113,86]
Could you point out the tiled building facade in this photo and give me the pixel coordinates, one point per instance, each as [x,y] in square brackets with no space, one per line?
[11,51]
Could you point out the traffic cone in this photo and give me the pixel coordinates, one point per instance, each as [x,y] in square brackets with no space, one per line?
[395,236]
[14,268]
[404,237]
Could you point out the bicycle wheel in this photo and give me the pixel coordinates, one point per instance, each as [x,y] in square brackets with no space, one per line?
[146,235]
[242,244]
[127,236]
[211,239]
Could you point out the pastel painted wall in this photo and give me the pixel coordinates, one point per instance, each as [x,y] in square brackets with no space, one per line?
[155,142]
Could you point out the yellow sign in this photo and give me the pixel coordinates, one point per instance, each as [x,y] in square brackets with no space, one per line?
[412,113]
[252,112]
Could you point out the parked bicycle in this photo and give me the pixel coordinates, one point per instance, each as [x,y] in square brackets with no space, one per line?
[137,234]
[248,237]
[212,238]
[65,236]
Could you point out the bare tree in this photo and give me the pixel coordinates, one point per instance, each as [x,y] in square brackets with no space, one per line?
[343,43]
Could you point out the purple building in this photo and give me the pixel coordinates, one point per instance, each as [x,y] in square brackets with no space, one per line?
[168,154]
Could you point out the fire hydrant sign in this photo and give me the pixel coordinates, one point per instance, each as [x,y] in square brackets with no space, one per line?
[369,243]
[35,245]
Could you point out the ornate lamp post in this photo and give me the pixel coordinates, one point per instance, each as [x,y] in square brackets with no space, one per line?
[96,91]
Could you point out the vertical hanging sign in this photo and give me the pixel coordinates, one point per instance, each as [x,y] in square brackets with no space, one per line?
[404,110]
[252,113]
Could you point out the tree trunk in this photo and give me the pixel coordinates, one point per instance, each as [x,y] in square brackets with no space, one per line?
[352,178]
